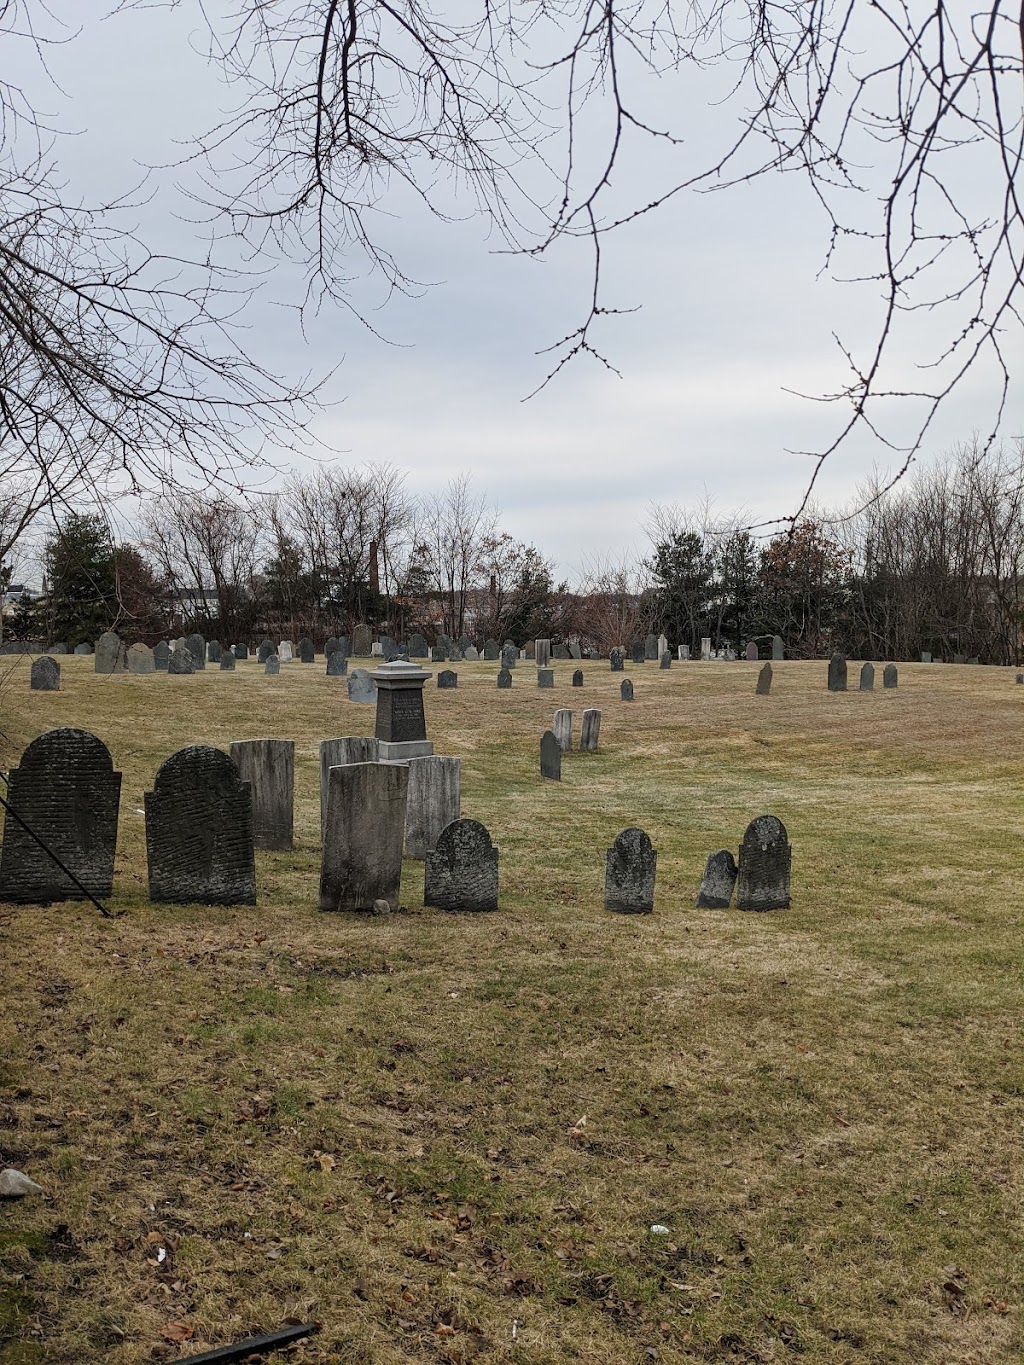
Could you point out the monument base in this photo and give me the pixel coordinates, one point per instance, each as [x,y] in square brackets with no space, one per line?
[390,751]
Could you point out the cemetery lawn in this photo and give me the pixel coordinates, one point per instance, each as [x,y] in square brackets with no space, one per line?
[447,1138]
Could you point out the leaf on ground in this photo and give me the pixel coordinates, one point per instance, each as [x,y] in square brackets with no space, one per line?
[177,1331]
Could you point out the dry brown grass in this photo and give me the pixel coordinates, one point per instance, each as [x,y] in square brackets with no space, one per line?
[447,1138]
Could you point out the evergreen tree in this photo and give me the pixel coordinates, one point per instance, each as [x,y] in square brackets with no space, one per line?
[81,576]
[684,588]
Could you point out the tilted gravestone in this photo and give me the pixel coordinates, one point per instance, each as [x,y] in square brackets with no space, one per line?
[196,646]
[364,836]
[434,801]
[199,839]
[630,865]
[181,662]
[286,651]
[227,661]
[83,648]
[362,640]
[837,673]
[268,765]
[272,667]
[545,677]
[140,659]
[867,678]
[890,676]
[504,678]
[461,871]
[577,677]
[306,651]
[417,646]
[764,681]
[509,656]
[765,861]
[665,661]
[651,647]
[718,882]
[550,757]
[161,656]
[241,652]
[590,730]
[447,678]
[44,676]
[66,791]
[574,650]
[110,653]
[267,647]
[361,687]
[542,652]
[337,753]
[751,651]
[337,664]
[626,689]
[213,652]
[617,659]
[562,729]
[778,648]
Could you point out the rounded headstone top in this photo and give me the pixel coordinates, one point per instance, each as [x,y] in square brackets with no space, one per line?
[53,743]
[764,831]
[197,763]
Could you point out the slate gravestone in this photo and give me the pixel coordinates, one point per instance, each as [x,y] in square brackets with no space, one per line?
[577,677]
[926,658]
[1020,678]
[447,678]
[550,757]
[651,647]
[199,840]
[890,676]
[213,652]
[629,871]
[196,646]
[265,650]
[307,654]
[626,689]
[417,646]
[778,648]
[227,661]
[562,729]
[109,656]
[388,648]
[765,860]
[504,678]
[867,678]
[434,801]
[181,662]
[241,652]
[491,650]
[464,643]
[272,667]
[331,644]
[764,681]
[617,659]
[837,673]
[461,871]
[83,649]
[362,639]
[439,653]
[268,765]
[337,664]
[509,657]
[717,884]
[286,651]
[590,730]
[66,791]
[364,836]
[542,652]
[751,651]
[161,654]
[361,687]
[545,677]
[574,650]
[471,654]
[337,753]
[140,659]
[665,661]
[636,652]
[559,651]
[58,647]
[44,675]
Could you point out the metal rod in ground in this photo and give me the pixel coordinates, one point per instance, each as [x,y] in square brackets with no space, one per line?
[252,1346]
[50,854]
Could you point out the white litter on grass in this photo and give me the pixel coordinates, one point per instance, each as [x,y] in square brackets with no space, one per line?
[659,1229]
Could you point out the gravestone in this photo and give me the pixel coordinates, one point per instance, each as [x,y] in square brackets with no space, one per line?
[268,765]
[439,653]
[471,654]
[975,660]
[364,836]
[630,866]
[636,652]
[434,801]
[376,650]
[650,647]
[461,871]
[417,646]
[550,757]
[509,656]
[959,658]
[44,676]
[464,643]
[867,678]
[83,648]
[265,650]
[562,729]
[361,687]
[58,647]
[926,658]
[559,651]
[140,659]
[751,651]
[542,652]
[199,841]
[401,727]
[765,860]
[362,639]
[718,882]
[1020,679]
[531,649]
[590,730]
[181,662]
[331,645]
[837,673]
[213,652]
[890,676]
[778,648]
[574,650]
[662,645]
[388,648]
[545,677]
[66,791]
[617,659]
[577,677]
[286,651]
[504,678]
[161,655]
[764,681]
[337,753]
[683,653]
[241,652]
[110,653]
[665,661]
[491,651]
[196,646]
[272,667]
[447,678]
[705,648]
[307,653]
[626,689]
[337,664]
[227,661]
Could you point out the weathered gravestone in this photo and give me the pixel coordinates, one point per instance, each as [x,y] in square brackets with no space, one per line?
[110,653]
[434,801]
[778,648]
[562,729]
[161,656]
[362,640]
[531,649]
[959,658]
[83,648]
[267,647]
[361,687]
[636,652]
[550,757]
[337,664]
[268,765]
[447,678]
[764,681]
[417,646]
[590,730]
[461,871]
[926,658]
[717,884]
[196,646]
[665,661]
[683,653]
[241,652]
[765,860]
[705,648]
[504,678]
[542,652]
[44,675]
[464,643]
[199,841]
[574,650]
[227,661]
[837,673]
[867,677]
[364,836]
[890,676]
[491,651]
[272,667]
[213,652]
[650,647]
[331,644]
[66,791]
[438,653]
[630,866]
[626,689]
[180,661]
[471,654]
[337,753]
[662,645]
[617,659]
[286,651]
[577,677]
[751,651]
[307,653]
[558,650]
[140,659]
[509,656]
[545,677]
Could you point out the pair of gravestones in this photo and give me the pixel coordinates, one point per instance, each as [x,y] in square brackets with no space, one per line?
[761,880]
[558,740]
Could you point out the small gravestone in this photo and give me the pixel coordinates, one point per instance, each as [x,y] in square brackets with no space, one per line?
[213,652]
[509,656]
[577,677]
[44,675]
[590,730]
[307,653]
[362,640]
[199,835]
[617,659]
[975,660]
[717,884]
[764,681]
[959,658]
[140,659]
[531,649]
[545,677]
[227,661]
[751,651]
[926,658]
[626,689]
[337,664]
[364,835]
[461,871]
[837,673]
[630,867]
[181,662]
[542,652]
[83,649]
[665,661]
[491,651]
[286,651]
[161,656]
[265,650]
[196,646]
[331,645]
[361,687]
[447,678]
[464,643]
[434,801]
[438,653]
[778,648]
[562,728]
[651,647]
[241,652]
[471,654]
[337,753]
[417,646]
[705,648]
[574,650]
[890,676]
[388,648]
[867,677]
[1020,679]
[110,653]
[66,791]
[268,765]
[504,678]
[636,652]
[764,871]
[559,651]
[272,667]
[550,757]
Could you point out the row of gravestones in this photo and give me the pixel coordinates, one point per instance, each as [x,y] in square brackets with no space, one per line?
[837,675]
[558,740]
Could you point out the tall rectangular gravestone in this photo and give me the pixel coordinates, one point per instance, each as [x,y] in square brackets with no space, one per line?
[337,753]
[268,765]
[365,836]
[434,801]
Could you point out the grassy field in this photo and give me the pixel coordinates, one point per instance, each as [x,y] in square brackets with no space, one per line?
[447,1138]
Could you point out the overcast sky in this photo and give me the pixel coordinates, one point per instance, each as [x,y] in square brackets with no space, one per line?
[730,314]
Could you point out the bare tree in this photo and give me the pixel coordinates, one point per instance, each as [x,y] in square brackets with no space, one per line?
[453,530]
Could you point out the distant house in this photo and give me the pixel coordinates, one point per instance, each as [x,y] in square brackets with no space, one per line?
[197,604]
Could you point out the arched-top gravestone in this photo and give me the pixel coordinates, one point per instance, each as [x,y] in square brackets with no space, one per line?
[447,678]
[109,656]
[214,651]
[66,791]
[265,650]
[286,651]
[161,656]
[626,689]
[241,652]
[362,639]
[361,687]
[141,659]
[550,757]
[617,659]
[417,646]
[577,677]
[305,650]
[461,871]
[751,651]
[83,648]
[44,675]
[272,667]
[764,681]
[764,870]
[650,647]
[181,661]
[867,677]
[837,673]
[227,661]
[630,866]
[199,839]
[504,678]
[890,676]
[509,656]
[337,664]
[590,730]
[491,651]
[778,648]
[331,645]
[559,650]
[196,646]
[718,882]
